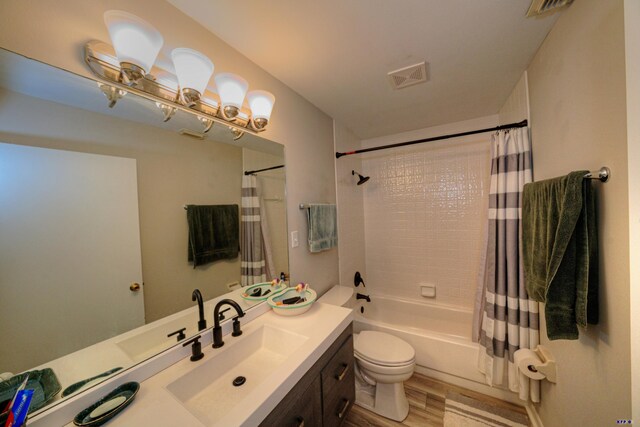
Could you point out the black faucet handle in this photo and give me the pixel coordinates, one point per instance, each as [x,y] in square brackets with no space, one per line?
[221,313]
[358,280]
[180,333]
[236,327]
[196,348]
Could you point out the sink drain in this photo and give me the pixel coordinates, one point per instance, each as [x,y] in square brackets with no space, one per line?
[238,381]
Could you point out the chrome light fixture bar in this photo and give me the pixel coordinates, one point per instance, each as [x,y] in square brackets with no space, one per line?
[126,67]
[103,64]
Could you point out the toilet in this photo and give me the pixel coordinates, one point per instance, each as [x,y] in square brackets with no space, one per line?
[383,363]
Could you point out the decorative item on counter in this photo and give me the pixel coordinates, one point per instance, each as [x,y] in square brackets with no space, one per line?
[293,301]
[108,407]
[81,384]
[262,291]
[44,384]
[18,408]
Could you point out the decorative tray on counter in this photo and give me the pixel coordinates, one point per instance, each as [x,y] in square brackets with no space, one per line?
[282,303]
[108,407]
[264,290]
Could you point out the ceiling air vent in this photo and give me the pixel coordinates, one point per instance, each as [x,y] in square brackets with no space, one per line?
[546,7]
[408,76]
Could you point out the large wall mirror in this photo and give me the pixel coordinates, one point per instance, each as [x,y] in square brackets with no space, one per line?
[93,205]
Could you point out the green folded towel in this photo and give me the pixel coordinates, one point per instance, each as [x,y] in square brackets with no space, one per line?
[214,233]
[560,252]
[323,227]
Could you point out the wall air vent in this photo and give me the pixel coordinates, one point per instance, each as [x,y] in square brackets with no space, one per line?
[191,134]
[408,76]
[546,7]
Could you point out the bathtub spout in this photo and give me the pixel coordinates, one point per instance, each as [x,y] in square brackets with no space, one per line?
[363,296]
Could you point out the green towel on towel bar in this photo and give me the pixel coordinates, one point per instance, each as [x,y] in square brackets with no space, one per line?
[214,233]
[560,251]
[323,227]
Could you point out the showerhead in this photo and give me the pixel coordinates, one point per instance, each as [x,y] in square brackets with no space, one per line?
[362,179]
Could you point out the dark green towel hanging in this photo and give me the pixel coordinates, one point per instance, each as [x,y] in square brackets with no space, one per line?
[560,251]
[214,233]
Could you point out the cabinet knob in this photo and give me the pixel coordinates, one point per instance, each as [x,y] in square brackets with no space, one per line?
[300,421]
[134,287]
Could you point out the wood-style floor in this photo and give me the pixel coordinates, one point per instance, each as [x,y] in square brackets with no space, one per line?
[426,405]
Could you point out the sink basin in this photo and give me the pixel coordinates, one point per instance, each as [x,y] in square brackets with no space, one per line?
[208,391]
[153,340]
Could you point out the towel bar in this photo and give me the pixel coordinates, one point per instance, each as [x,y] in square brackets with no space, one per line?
[603,174]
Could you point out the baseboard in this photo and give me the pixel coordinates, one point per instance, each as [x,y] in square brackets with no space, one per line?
[532,412]
[498,393]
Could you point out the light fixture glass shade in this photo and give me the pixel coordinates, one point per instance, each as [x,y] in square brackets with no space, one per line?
[261,104]
[134,40]
[231,89]
[192,68]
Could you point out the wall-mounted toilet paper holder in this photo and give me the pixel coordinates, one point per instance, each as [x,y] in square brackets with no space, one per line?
[548,365]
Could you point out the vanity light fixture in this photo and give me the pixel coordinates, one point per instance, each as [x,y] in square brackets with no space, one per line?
[231,89]
[261,104]
[194,71]
[136,43]
[128,66]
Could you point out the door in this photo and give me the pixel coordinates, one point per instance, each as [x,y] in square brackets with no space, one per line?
[69,251]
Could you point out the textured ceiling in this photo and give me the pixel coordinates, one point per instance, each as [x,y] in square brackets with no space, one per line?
[337,53]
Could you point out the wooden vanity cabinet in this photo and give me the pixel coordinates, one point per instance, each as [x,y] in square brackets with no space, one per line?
[324,396]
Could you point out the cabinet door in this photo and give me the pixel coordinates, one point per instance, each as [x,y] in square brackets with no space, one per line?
[304,411]
[338,386]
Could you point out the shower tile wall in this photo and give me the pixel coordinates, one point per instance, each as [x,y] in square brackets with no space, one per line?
[425,212]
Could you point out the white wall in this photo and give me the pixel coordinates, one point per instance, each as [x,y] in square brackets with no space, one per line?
[54,32]
[351,242]
[578,118]
[632,54]
[425,207]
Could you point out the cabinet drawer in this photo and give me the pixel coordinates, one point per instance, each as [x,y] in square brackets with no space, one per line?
[339,367]
[338,385]
[302,410]
[337,405]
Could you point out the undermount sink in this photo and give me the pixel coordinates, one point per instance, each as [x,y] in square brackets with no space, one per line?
[151,341]
[208,391]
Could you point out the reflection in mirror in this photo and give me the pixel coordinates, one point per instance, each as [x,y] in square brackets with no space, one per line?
[94,253]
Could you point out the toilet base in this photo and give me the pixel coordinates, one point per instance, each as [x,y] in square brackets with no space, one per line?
[387,400]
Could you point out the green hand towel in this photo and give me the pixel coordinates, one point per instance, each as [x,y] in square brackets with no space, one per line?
[560,252]
[214,233]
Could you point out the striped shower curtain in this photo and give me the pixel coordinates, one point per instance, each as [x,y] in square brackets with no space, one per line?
[509,319]
[255,264]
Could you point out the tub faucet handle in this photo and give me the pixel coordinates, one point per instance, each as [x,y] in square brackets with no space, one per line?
[357,280]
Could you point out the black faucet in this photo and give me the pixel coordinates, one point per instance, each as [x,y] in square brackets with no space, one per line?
[217,329]
[202,323]
[363,296]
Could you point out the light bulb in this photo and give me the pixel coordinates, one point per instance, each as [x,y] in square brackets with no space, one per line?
[261,104]
[193,70]
[231,89]
[136,42]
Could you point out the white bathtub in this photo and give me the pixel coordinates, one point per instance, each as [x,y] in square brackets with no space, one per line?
[440,335]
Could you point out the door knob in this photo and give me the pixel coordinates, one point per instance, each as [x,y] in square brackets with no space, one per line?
[134,287]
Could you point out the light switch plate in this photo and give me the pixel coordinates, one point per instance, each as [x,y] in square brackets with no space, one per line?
[294,239]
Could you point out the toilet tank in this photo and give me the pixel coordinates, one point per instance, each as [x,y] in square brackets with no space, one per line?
[338,295]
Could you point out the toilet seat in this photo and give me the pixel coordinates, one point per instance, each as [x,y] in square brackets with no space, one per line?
[383,349]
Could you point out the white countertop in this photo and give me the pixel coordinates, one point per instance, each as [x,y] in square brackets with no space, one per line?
[156,405]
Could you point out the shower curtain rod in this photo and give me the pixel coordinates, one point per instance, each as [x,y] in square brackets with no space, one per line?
[265,169]
[435,138]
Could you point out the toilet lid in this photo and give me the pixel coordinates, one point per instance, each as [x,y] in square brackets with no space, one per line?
[383,349]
